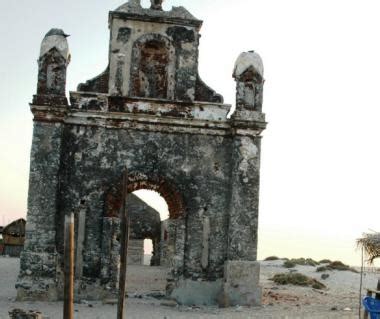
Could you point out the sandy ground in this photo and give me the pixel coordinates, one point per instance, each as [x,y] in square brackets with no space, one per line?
[290,302]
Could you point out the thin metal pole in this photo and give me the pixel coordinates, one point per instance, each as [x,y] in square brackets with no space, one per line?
[124,238]
[68,306]
[361,284]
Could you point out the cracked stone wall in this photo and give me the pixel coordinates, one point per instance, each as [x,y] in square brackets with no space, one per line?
[151,113]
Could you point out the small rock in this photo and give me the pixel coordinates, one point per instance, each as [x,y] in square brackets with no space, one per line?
[28,272]
[110,301]
[334,308]
[169,303]
[238,308]
[325,276]
[347,309]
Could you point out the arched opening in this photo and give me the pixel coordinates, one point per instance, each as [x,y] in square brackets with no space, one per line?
[147,210]
[156,214]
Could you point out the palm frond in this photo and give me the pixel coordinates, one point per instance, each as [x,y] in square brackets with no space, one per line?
[371,245]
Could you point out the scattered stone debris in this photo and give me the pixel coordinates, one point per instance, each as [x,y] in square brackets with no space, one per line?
[21,314]
[169,303]
[110,301]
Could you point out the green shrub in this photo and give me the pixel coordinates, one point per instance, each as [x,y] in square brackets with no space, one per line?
[297,279]
[302,262]
[288,264]
[271,258]
[325,261]
[318,285]
[336,265]
[322,268]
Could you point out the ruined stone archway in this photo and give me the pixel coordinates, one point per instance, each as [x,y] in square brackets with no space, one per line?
[173,125]
[137,181]
[164,236]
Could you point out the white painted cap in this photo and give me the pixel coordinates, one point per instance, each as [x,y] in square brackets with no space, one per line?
[55,39]
[247,60]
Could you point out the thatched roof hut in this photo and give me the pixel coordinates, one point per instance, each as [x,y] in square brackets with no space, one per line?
[14,238]
[371,245]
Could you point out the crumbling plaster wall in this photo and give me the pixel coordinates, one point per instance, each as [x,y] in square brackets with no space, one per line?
[94,157]
[183,52]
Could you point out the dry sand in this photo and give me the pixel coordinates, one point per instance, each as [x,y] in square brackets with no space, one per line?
[278,301]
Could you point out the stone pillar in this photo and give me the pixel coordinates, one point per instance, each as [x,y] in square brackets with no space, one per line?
[243,221]
[241,277]
[38,264]
[38,260]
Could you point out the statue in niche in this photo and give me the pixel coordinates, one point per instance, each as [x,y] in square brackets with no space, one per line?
[156,4]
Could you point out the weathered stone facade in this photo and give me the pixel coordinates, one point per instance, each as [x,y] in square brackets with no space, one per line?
[150,112]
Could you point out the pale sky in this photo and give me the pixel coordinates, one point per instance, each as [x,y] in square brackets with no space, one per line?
[320,153]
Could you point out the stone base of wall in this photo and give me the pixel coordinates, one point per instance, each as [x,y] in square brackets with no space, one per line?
[241,284]
[191,292]
[29,289]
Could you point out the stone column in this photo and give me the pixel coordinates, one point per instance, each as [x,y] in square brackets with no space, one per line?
[38,260]
[241,277]
[243,221]
[38,264]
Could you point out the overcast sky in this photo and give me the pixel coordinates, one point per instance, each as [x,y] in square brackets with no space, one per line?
[320,153]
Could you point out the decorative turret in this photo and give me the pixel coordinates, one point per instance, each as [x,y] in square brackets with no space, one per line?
[249,77]
[52,65]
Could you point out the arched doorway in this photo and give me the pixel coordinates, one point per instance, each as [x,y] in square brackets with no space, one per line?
[147,210]
[168,245]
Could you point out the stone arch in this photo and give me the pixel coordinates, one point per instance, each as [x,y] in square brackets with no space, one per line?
[137,181]
[153,67]
[166,189]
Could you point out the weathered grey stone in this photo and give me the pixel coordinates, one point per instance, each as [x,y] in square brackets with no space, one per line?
[21,314]
[190,292]
[149,112]
[241,284]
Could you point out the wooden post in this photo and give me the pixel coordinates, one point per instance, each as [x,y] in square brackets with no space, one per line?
[124,237]
[68,306]
[378,289]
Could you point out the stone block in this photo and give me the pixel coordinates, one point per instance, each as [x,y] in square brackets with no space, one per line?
[241,284]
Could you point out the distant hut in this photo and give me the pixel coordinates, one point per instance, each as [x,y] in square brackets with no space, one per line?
[14,238]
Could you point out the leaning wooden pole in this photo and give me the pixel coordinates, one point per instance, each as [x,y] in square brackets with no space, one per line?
[124,238]
[68,306]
